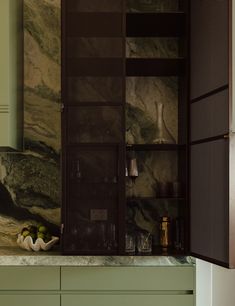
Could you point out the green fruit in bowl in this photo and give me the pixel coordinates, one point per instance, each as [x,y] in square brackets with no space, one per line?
[42,229]
[25,233]
[40,235]
[24,229]
[39,224]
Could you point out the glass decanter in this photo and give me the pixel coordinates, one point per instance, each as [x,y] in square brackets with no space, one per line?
[163,136]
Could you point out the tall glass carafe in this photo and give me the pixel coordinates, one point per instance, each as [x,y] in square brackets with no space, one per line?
[163,136]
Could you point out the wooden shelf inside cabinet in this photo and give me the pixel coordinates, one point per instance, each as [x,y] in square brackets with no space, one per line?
[155,147]
[95,67]
[93,144]
[155,66]
[93,183]
[155,199]
[73,103]
[155,24]
[94,24]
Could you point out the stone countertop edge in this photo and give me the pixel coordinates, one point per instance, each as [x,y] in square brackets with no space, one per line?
[17,257]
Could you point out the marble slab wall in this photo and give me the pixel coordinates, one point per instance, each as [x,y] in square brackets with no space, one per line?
[30,181]
[152,47]
[142,94]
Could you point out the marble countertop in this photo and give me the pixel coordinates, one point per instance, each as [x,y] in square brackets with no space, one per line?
[13,256]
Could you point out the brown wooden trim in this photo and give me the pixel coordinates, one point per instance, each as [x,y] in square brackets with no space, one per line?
[122,148]
[63,122]
[94,67]
[187,207]
[211,93]
[211,260]
[155,24]
[92,103]
[155,67]
[232,160]
[155,147]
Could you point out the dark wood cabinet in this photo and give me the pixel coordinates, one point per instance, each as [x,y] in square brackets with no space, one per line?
[149,80]
[211,150]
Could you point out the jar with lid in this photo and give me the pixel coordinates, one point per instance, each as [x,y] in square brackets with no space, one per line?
[165,232]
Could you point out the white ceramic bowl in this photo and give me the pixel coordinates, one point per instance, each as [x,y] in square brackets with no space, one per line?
[28,244]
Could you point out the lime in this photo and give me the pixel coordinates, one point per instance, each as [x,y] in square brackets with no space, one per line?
[40,235]
[24,229]
[39,224]
[25,233]
[42,229]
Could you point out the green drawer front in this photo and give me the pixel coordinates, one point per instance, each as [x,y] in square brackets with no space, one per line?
[126,300]
[29,278]
[127,278]
[29,300]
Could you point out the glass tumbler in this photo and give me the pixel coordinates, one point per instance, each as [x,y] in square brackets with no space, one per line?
[144,243]
[130,243]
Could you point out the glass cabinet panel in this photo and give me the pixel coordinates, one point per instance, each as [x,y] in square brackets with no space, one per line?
[96,124]
[95,89]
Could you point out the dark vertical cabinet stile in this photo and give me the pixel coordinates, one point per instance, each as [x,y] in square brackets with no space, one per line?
[94,77]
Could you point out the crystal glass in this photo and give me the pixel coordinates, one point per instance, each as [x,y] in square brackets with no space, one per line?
[111,242]
[144,243]
[130,243]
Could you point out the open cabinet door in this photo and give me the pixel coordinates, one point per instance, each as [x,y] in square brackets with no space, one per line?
[211,141]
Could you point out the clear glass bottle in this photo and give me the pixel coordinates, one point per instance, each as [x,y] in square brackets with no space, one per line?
[163,136]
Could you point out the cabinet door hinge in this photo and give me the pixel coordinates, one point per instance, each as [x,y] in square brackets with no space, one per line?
[62,229]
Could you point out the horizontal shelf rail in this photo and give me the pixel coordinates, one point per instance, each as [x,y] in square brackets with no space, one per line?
[155,67]
[155,24]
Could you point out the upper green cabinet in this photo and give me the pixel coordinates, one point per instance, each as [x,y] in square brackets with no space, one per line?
[11,75]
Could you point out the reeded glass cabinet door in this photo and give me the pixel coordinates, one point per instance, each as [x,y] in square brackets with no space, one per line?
[211,162]
[93,139]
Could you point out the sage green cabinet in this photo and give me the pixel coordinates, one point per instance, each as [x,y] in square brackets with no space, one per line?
[29,300]
[97,286]
[127,278]
[29,278]
[127,300]
[127,286]
[11,75]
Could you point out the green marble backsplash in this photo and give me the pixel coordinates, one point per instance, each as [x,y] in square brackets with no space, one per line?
[30,181]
